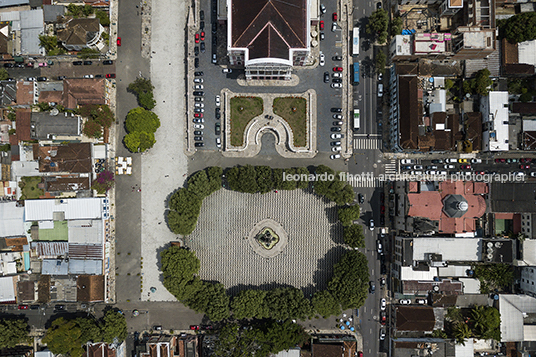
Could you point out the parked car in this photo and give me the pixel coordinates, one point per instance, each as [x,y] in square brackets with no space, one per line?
[199,105]
[227,70]
[322,59]
[322,9]
[198,115]
[379,246]
[199,126]
[110,75]
[199,99]
[337,80]
[218,102]
[41,79]
[321,25]
[336,129]
[199,93]
[361,198]
[337,69]
[404,301]
[198,120]
[107,62]
[335,156]
[322,36]
[198,138]
[336,75]
[437,161]
[336,85]
[119,41]
[421,301]
[326,77]
[202,47]
[383,281]
[218,128]
[23,307]
[383,304]
[334,27]
[336,58]
[334,16]
[337,116]
[451,161]
[88,63]
[465,167]
[218,142]
[371,224]
[335,143]
[337,123]
[336,136]
[198,80]
[218,113]
[77,63]
[214,60]
[372,287]
[199,144]
[382,334]
[476,161]
[199,87]
[196,62]
[198,74]
[198,132]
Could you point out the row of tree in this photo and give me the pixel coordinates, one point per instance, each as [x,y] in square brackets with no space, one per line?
[67,337]
[332,188]
[519,28]
[348,288]
[185,203]
[13,331]
[263,179]
[378,24]
[141,123]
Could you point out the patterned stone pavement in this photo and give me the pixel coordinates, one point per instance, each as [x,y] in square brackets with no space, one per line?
[220,240]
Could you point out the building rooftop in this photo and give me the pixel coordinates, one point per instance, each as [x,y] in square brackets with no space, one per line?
[527,52]
[11,220]
[72,158]
[512,197]
[90,288]
[516,307]
[82,91]
[414,318]
[45,125]
[68,209]
[494,109]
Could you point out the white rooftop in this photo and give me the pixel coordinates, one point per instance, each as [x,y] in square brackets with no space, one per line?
[494,109]
[407,273]
[11,220]
[86,231]
[526,52]
[7,288]
[452,249]
[513,328]
[470,285]
[71,208]
[529,252]
[401,45]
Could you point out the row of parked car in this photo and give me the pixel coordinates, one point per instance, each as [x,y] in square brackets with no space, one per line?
[199,110]
[336,132]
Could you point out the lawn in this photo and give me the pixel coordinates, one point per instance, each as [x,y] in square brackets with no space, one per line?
[243,109]
[293,110]
[29,189]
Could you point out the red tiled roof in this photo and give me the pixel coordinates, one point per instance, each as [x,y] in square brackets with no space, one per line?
[504,216]
[425,204]
[82,91]
[409,318]
[24,120]
[25,93]
[413,186]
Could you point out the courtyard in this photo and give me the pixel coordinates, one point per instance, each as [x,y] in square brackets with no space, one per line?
[226,220]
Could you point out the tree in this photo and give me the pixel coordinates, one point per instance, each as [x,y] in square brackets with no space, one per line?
[380,61]
[142,120]
[64,337]
[526,97]
[519,28]
[49,43]
[146,100]
[283,336]
[288,303]
[348,214]
[353,236]
[198,183]
[87,10]
[486,322]
[140,85]
[250,304]
[103,182]
[75,10]
[92,129]
[333,189]
[439,334]
[263,175]
[12,332]
[147,141]
[461,333]
[396,26]
[494,276]
[325,304]
[349,284]
[139,141]
[303,184]
[378,24]
[3,74]
[242,179]
[91,331]
[217,301]
[114,326]
[184,209]
[482,82]
[179,263]
[214,178]
[103,17]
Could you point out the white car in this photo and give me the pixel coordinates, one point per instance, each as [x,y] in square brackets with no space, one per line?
[451,161]
[199,126]
[431,172]
[337,116]
[322,59]
[404,301]
[442,173]
[334,27]
[227,70]
[336,85]
[417,167]
[337,75]
[199,87]
[476,161]
[218,103]
[335,156]
[336,148]
[414,173]
[218,142]
[199,105]
[198,80]
[407,161]
[199,110]
[323,8]
[383,304]
[448,167]
[336,136]
[88,76]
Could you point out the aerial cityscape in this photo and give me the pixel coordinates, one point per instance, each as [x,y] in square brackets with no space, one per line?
[267,178]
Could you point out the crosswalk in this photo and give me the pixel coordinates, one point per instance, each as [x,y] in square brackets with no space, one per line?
[367,182]
[391,167]
[367,144]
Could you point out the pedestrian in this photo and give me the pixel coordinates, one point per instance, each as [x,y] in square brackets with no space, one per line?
[166,176]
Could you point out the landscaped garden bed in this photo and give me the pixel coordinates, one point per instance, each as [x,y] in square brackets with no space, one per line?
[293,110]
[243,109]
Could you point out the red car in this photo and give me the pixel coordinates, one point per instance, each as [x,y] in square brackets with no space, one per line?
[359,354]
[119,41]
[480,173]
[500,161]
[196,38]
[466,167]
[383,318]
[198,115]
[527,160]
[321,25]
[334,16]
[524,167]
[382,209]
[23,307]
[110,75]
[195,327]
[337,69]
[202,35]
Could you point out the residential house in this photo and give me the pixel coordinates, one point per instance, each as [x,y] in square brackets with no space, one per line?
[416,319]
[101,349]
[26,26]
[76,92]
[55,126]
[268,38]
[519,324]
[495,120]
[161,346]
[8,289]
[333,346]
[76,34]
[90,288]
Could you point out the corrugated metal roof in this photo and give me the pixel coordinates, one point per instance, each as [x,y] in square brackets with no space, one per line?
[92,251]
[514,306]
[50,249]
[75,208]
[9,3]
[7,288]
[87,266]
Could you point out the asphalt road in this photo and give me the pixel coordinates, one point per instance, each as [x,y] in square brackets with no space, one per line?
[129,64]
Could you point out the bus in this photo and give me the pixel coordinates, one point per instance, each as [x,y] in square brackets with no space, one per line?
[356,72]
[355,47]
[356,119]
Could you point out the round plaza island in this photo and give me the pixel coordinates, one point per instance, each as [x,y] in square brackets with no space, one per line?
[268,238]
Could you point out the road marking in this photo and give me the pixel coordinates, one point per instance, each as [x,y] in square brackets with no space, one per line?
[364,309]
[367,182]
[367,144]
[370,330]
[372,271]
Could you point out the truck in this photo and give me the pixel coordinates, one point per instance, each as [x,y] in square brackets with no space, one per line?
[357,120]
[355,44]
[356,73]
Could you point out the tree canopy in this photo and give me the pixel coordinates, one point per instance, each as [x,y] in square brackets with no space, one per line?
[325,304]
[348,214]
[143,89]
[349,284]
[114,326]
[140,119]
[353,236]
[519,28]
[98,117]
[179,263]
[333,189]
[288,303]
[184,208]
[494,276]
[480,84]
[378,24]
[3,74]
[486,322]
[250,304]
[139,141]
[65,337]
[12,332]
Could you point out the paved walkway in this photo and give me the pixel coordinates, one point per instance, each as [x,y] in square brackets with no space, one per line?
[163,166]
[220,240]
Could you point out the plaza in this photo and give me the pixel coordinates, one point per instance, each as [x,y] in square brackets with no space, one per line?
[221,243]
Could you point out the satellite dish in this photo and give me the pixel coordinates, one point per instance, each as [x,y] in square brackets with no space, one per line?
[436,288]
[54,112]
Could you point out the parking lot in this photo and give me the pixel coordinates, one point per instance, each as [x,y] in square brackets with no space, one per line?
[64,68]
[214,80]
